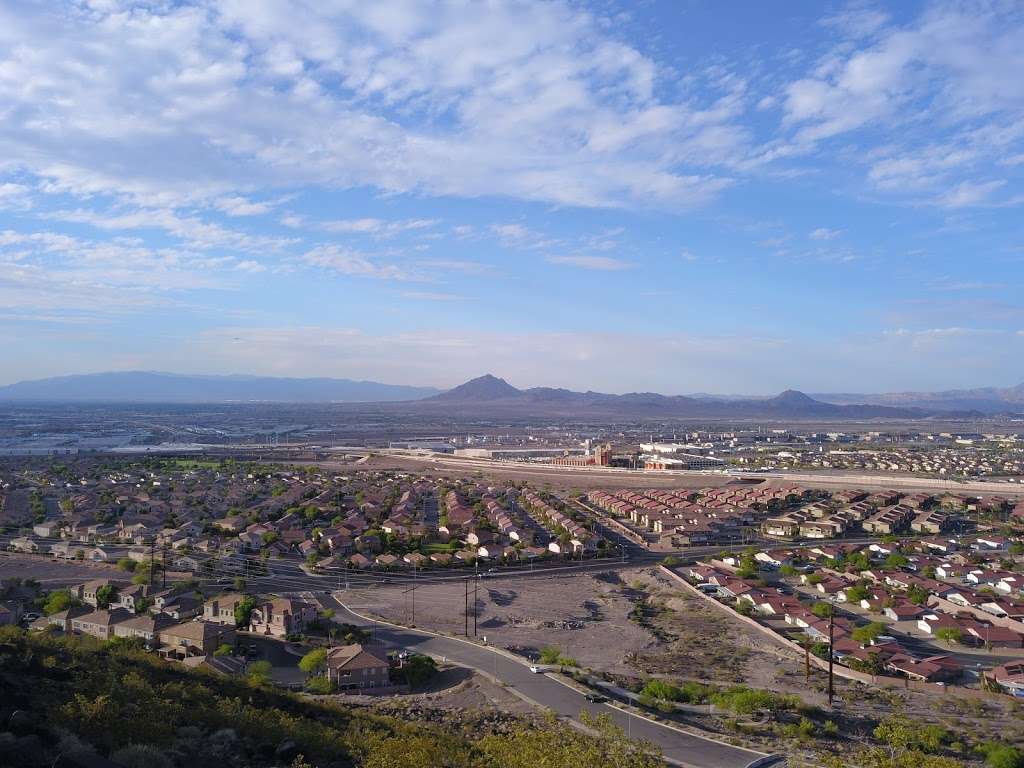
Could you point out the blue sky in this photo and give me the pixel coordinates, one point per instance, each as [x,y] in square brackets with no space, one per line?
[671,196]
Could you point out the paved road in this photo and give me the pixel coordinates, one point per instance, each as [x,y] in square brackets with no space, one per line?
[677,746]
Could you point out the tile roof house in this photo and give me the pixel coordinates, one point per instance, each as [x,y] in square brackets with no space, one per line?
[281,617]
[99,623]
[356,667]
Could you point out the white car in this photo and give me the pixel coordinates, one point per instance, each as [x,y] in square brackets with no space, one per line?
[535,669]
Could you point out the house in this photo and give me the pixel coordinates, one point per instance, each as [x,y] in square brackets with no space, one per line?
[180,607]
[47,530]
[356,667]
[387,561]
[194,638]
[87,592]
[62,619]
[416,560]
[281,617]
[100,623]
[991,636]
[360,562]
[932,669]
[147,628]
[133,597]
[221,609]
[1010,678]
[902,610]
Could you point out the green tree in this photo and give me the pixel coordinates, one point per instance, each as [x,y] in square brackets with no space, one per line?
[550,654]
[57,601]
[223,650]
[314,662]
[949,635]
[896,560]
[857,593]
[917,595]
[242,611]
[127,564]
[259,672]
[868,632]
[105,595]
[418,669]
[822,609]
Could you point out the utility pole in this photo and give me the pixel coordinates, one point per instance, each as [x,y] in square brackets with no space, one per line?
[466,613]
[413,591]
[152,560]
[831,653]
[163,569]
[476,583]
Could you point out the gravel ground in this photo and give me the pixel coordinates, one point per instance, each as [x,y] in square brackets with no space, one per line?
[584,615]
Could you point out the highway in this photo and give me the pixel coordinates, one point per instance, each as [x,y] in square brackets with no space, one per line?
[624,475]
[679,747]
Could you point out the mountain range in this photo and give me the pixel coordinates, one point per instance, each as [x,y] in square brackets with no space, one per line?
[490,394]
[498,396]
[152,387]
[983,399]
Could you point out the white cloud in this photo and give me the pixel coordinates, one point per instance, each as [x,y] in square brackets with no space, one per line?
[240,206]
[539,103]
[969,193]
[347,261]
[824,233]
[600,263]
[371,226]
[928,105]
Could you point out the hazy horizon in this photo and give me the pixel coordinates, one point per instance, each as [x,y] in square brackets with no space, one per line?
[600,196]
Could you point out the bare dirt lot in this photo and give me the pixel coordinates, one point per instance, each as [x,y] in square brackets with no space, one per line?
[52,575]
[584,615]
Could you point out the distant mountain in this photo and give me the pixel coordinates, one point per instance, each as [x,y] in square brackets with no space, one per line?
[490,394]
[151,387]
[481,389]
[989,400]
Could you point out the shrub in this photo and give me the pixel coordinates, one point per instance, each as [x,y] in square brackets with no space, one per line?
[550,654]
[320,685]
[660,689]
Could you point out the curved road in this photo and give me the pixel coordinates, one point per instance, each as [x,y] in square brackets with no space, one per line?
[677,746]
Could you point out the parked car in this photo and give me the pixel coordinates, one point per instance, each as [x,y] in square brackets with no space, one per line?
[535,669]
[596,698]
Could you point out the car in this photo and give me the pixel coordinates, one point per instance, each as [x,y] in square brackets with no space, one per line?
[30,617]
[535,669]
[596,698]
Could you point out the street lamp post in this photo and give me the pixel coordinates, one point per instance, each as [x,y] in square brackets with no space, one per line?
[831,650]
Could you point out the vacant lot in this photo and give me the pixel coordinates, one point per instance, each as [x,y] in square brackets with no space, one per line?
[587,616]
[54,574]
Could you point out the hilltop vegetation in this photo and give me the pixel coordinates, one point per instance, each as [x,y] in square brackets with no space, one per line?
[77,696]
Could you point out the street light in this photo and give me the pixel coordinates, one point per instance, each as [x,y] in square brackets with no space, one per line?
[831,648]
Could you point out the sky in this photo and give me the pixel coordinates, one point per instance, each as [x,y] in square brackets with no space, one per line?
[671,196]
